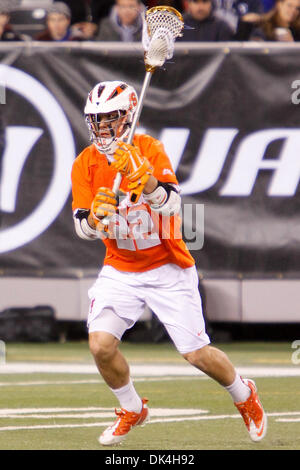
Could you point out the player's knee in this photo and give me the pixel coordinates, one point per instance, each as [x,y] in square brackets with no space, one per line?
[200,358]
[102,346]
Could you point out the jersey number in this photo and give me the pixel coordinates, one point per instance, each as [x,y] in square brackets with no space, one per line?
[135,232]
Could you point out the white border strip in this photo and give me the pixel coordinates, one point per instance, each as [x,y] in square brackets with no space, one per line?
[142,370]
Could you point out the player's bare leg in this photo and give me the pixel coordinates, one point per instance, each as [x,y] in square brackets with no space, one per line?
[213,362]
[111,364]
[114,369]
[216,364]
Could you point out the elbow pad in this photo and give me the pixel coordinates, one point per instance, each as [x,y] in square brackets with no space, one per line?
[165,199]
[82,227]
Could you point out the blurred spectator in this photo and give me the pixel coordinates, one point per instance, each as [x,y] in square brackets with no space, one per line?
[86,15]
[268,5]
[282,23]
[201,24]
[79,9]
[233,11]
[58,22]
[100,10]
[241,15]
[6,31]
[124,22]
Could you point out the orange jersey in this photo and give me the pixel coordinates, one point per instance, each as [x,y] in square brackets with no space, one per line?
[143,239]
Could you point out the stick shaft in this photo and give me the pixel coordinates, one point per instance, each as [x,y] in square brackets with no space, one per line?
[145,86]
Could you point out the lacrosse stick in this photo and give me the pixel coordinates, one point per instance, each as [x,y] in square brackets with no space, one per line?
[161,26]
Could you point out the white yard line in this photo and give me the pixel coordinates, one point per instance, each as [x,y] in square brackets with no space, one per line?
[24,411]
[142,370]
[288,420]
[54,426]
[91,381]
[152,421]
[49,382]
[46,413]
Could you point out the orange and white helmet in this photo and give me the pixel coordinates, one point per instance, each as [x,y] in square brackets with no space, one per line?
[109,112]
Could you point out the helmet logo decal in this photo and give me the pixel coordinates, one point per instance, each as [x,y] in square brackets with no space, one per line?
[133,101]
[117,91]
[100,90]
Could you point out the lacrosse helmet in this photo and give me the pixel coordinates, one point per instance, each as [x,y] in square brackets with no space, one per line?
[109,113]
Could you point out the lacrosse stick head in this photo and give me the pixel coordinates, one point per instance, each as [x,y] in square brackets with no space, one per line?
[162,25]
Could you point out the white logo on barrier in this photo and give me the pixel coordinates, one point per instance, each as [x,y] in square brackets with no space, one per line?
[2,352]
[296,354]
[15,156]
[249,160]
[295,95]
[2,93]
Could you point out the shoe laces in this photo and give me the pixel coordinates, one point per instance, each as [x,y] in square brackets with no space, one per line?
[127,419]
[250,410]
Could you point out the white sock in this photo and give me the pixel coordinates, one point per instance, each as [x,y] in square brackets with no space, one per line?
[238,390]
[128,397]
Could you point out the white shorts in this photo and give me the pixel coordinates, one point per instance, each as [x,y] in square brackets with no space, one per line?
[169,291]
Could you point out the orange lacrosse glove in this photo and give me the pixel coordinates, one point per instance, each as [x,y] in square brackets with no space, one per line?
[126,158]
[130,163]
[104,204]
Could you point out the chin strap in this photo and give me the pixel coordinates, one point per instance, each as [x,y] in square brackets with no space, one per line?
[114,145]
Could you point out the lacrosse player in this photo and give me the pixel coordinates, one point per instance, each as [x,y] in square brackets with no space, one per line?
[146,260]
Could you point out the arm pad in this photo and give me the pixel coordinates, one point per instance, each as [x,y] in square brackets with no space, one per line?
[165,199]
[82,227]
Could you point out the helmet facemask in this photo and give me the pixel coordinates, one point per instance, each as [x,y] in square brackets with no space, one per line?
[106,129]
[109,112]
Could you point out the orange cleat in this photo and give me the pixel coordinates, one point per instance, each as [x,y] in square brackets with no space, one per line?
[126,420]
[253,413]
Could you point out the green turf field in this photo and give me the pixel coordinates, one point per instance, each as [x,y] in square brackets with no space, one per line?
[69,409]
